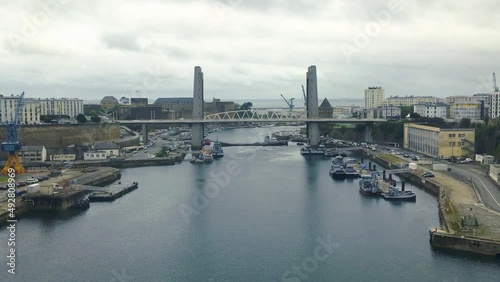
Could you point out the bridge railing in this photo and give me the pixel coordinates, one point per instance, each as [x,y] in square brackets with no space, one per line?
[256,115]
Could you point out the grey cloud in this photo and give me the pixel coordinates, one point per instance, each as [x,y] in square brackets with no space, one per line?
[121,41]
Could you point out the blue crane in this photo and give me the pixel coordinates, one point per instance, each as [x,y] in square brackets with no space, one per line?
[12,144]
[289,102]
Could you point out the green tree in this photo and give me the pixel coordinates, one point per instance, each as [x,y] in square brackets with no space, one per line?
[95,119]
[93,113]
[246,106]
[465,123]
[81,118]
[405,110]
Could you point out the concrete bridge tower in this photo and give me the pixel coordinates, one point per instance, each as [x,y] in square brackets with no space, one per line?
[312,105]
[197,128]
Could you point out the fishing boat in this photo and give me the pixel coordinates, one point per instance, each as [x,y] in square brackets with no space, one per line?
[394,194]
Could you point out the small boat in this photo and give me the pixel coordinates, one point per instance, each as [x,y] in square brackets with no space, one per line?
[300,143]
[208,158]
[399,195]
[206,141]
[308,150]
[217,151]
[198,159]
[368,185]
[337,172]
[350,172]
[330,152]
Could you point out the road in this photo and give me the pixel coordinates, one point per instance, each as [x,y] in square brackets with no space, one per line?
[485,187]
[488,190]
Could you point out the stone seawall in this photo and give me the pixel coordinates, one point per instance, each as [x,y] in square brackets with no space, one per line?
[465,244]
[63,135]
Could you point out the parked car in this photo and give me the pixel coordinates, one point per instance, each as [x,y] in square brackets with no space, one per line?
[414,158]
[21,184]
[4,187]
[45,177]
[31,181]
[427,174]
[467,160]
[406,155]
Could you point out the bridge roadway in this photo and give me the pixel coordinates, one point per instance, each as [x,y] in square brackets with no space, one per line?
[204,121]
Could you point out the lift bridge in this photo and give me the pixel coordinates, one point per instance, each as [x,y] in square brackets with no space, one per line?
[198,120]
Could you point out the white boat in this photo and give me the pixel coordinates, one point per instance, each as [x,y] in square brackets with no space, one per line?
[308,150]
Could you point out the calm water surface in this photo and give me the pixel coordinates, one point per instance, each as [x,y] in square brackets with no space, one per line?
[264,223]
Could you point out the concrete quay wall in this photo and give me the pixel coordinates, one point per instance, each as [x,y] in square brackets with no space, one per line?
[465,244]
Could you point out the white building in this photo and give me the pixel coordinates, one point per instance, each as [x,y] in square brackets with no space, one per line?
[374,97]
[94,156]
[495,104]
[60,106]
[436,110]
[30,113]
[382,112]
[34,108]
[471,110]
[111,149]
[32,154]
[411,100]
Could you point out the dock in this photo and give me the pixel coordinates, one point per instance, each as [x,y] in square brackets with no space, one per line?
[383,184]
[109,193]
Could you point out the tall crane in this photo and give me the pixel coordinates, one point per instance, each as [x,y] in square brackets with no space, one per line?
[12,144]
[289,102]
[495,87]
[305,97]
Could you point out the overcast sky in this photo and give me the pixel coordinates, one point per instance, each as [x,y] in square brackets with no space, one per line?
[247,48]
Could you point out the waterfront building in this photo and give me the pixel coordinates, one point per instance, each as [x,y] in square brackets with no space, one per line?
[494,173]
[374,97]
[434,110]
[440,143]
[62,157]
[472,110]
[32,154]
[325,109]
[94,156]
[110,149]
[410,100]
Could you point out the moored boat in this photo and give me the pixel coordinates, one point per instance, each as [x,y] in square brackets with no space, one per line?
[368,185]
[217,151]
[395,194]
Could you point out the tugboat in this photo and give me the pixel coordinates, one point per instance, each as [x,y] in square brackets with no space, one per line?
[217,151]
[394,194]
[368,185]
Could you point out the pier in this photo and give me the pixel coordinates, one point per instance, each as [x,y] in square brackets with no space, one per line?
[109,193]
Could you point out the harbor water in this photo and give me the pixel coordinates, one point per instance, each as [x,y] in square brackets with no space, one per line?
[257,214]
